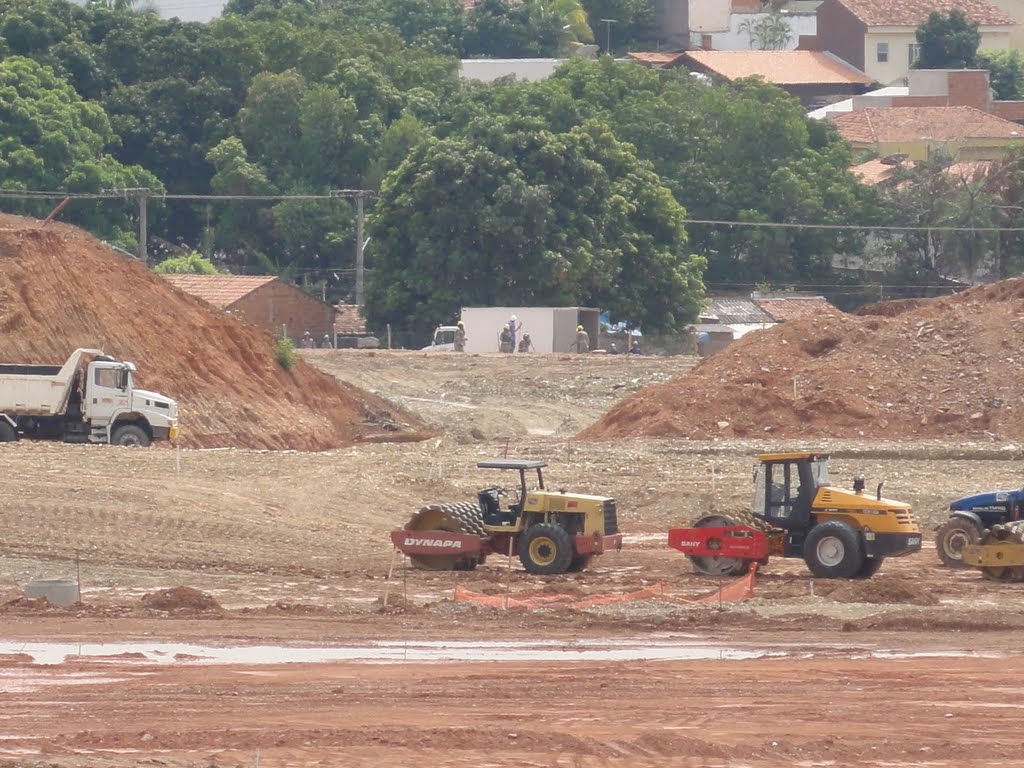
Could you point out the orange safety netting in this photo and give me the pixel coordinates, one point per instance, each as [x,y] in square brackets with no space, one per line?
[739,589]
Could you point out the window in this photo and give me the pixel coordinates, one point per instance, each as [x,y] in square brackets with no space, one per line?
[882,52]
[913,53]
[107,377]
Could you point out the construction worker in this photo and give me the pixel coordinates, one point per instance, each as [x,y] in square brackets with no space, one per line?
[325,342]
[582,343]
[634,348]
[514,326]
[505,340]
[307,341]
[525,345]
[460,337]
[612,349]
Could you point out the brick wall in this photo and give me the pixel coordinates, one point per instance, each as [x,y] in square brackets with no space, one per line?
[1009,110]
[842,33]
[277,303]
[969,88]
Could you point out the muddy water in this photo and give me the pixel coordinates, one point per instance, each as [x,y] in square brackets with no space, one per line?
[664,648]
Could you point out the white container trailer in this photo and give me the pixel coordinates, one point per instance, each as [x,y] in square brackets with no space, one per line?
[551,329]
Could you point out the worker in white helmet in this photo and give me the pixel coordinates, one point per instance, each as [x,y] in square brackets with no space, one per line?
[514,324]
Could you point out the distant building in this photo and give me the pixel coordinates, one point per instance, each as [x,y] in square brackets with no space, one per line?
[879,36]
[965,133]
[261,300]
[811,76]
[729,317]
[931,88]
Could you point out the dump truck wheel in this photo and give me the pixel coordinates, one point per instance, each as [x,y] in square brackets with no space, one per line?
[951,538]
[869,568]
[130,435]
[719,566]
[7,433]
[832,550]
[579,563]
[545,549]
[454,518]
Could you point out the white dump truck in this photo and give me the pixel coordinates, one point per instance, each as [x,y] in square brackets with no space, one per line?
[89,399]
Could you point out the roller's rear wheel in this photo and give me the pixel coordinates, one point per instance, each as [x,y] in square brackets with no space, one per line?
[832,550]
[545,549]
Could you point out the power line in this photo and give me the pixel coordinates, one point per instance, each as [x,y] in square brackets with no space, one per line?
[366,193]
[873,227]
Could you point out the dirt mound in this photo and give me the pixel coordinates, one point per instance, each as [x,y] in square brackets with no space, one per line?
[945,367]
[61,289]
[178,599]
[882,589]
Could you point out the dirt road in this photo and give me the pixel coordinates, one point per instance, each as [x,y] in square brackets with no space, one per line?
[294,549]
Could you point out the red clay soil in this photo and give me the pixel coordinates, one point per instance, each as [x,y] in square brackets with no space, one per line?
[930,368]
[61,289]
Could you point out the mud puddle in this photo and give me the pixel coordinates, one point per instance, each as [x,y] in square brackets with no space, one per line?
[674,648]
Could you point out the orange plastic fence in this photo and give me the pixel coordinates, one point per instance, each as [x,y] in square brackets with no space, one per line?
[739,589]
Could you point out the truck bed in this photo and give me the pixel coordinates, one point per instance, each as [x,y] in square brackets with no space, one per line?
[16,369]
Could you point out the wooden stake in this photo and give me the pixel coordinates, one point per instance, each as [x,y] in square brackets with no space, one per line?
[391,570]
[508,573]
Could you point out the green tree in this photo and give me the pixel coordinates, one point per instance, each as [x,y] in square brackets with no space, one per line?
[192,263]
[54,140]
[634,23]
[948,41]
[529,217]
[505,30]
[956,199]
[769,32]
[1006,73]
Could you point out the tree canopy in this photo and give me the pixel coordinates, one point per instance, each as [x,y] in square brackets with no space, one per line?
[601,185]
[533,218]
[948,41]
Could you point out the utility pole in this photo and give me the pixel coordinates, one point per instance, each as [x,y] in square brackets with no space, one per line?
[608,34]
[142,195]
[360,196]
[360,245]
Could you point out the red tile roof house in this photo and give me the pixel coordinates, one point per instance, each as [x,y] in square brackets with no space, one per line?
[933,88]
[814,77]
[965,133]
[261,300]
[879,36]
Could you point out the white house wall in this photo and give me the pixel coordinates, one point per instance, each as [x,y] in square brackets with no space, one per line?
[736,40]
[900,39]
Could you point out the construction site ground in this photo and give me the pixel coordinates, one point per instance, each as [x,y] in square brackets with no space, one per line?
[236,608]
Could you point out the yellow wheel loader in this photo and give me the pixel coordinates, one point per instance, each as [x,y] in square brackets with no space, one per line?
[550,531]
